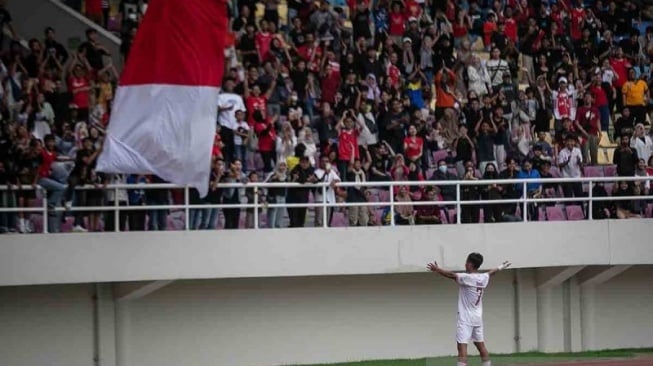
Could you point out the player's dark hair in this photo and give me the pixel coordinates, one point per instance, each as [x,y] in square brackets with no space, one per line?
[476,259]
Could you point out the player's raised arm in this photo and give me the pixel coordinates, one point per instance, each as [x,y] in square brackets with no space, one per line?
[501,267]
[433,267]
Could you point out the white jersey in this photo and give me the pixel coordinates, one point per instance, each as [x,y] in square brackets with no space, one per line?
[232,103]
[470,297]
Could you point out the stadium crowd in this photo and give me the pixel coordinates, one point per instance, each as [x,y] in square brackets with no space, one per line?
[356,91]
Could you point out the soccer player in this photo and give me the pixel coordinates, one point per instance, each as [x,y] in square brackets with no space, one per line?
[472,284]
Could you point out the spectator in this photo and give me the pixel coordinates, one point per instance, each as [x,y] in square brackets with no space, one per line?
[404,213]
[157,197]
[636,96]
[587,122]
[358,215]
[92,51]
[533,190]
[232,195]
[492,212]
[303,173]
[428,214]
[111,196]
[136,218]
[625,158]
[277,196]
[570,162]
[641,142]
[325,174]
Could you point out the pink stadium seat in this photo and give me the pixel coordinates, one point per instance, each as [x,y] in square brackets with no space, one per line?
[649,210]
[453,172]
[555,213]
[542,214]
[593,171]
[339,220]
[439,155]
[609,170]
[575,213]
[452,216]
[443,216]
[384,196]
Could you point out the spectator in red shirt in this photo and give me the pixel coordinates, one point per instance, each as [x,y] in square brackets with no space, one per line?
[54,188]
[587,123]
[397,23]
[264,129]
[413,145]
[348,128]
[79,85]
[254,101]
[601,101]
[263,41]
[620,65]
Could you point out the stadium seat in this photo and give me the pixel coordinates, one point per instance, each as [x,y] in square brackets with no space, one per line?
[439,155]
[575,213]
[593,171]
[610,171]
[555,213]
[606,155]
[649,210]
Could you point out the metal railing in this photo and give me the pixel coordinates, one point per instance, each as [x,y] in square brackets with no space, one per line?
[257,205]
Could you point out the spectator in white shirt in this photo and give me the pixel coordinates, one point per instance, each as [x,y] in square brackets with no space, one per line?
[325,174]
[641,142]
[228,103]
[570,162]
[241,132]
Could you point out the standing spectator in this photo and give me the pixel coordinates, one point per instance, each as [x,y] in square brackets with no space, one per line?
[635,96]
[533,190]
[325,174]
[587,122]
[6,21]
[158,218]
[231,195]
[93,51]
[470,212]
[277,196]
[625,158]
[492,212]
[136,198]
[497,67]
[302,174]
[253,195]
[641,142]
[564,103]
[358,215]
[93,11]
[570,162]
[79,84]
[265,132]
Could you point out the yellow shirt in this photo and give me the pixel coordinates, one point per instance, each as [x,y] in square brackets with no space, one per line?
[292,162]
[106,94]
[635,93]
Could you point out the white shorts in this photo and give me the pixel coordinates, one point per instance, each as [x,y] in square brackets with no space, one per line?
[466,333]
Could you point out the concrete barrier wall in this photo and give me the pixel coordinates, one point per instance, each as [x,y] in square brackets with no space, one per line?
[112,257]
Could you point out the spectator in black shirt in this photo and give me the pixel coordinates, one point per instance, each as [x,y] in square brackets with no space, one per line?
[625,125]
[302,173]
[54,48]
[93,50]
[625,158]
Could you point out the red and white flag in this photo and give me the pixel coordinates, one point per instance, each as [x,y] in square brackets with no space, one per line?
[164,115]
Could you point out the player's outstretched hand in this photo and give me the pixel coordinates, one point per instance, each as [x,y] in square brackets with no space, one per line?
[505,265]
[432,266]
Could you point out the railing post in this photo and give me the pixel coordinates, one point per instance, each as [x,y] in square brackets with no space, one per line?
[524,212]
[255,207]
[392,204]
[458,205]
[590,204]
[186,208]
[46,215]
[325,222]
[116,211]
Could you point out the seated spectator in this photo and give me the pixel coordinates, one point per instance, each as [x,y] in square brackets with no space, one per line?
[428,214]
[447,192]
[404,213]
[626,209]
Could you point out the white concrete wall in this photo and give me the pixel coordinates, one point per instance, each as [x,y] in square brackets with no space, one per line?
[113,257]
[296,320]
[46,325]
[624,310]
[307,320]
